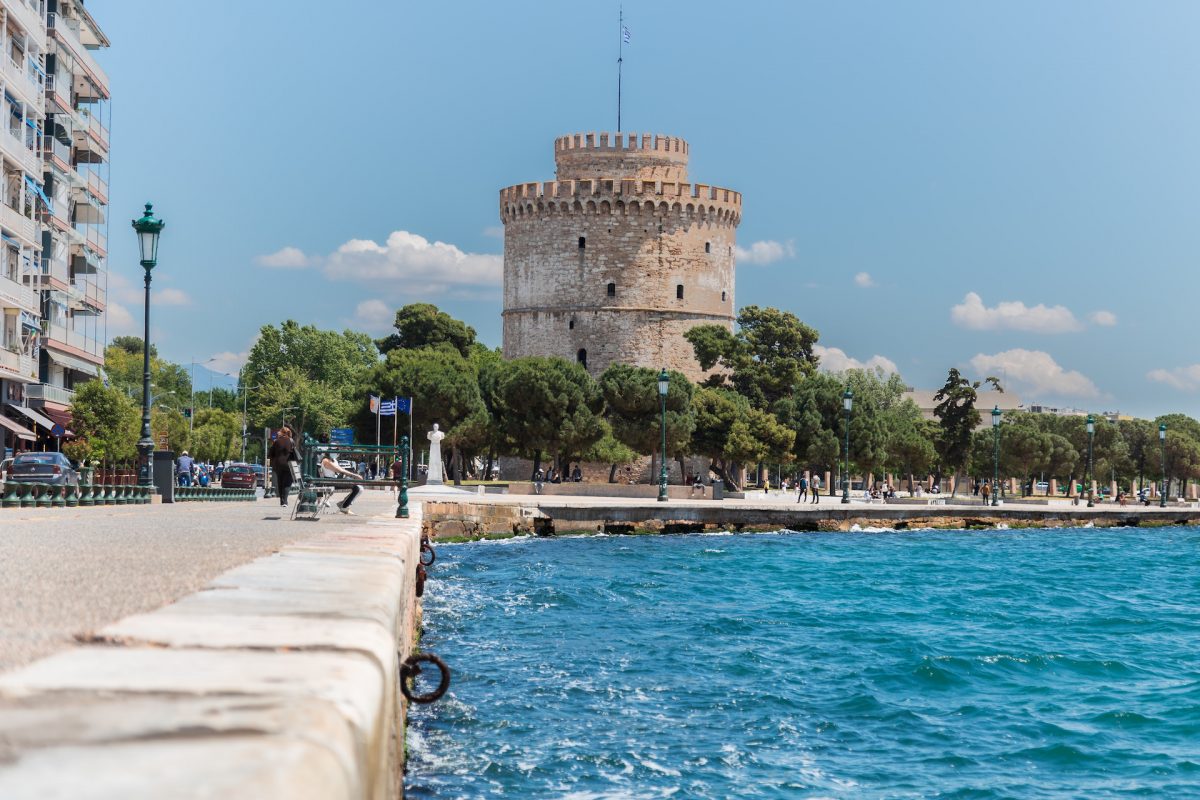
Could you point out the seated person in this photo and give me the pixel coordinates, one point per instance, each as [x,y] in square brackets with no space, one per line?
[331,469]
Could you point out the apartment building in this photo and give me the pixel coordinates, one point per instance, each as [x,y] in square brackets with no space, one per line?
[53,213]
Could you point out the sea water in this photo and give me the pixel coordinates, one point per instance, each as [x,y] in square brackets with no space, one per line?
[1014,663]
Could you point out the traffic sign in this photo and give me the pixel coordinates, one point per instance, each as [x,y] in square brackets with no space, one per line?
[58,431]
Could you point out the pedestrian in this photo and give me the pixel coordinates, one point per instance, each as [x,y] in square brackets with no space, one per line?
[281,455]
[800,498]
[985,490]
[538,477]
[331,469]
[816,489]
[576,474]
[183,469]
[397,471]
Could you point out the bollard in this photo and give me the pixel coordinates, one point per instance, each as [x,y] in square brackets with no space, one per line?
[402,499]
[122,494]
[72,496]
[41,494]
[110,494]
[58,496]
[11,499]
[85,494]
[25,494]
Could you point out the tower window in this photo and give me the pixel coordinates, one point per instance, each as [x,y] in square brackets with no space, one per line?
[722,297]
[708,247]
[679,291]
[581,357]
[582,242]
[571,324]
[612,290]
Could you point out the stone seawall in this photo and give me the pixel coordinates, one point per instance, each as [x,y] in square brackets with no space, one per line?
[279,680]
[508,515]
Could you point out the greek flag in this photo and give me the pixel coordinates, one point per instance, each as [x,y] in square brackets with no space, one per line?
[625,34]
[387,408]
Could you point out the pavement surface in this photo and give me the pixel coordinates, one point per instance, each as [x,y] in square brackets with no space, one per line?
[69,571]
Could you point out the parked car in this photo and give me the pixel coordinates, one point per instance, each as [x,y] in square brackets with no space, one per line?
[51,468]
[238,476]
[260,474]
[5,466]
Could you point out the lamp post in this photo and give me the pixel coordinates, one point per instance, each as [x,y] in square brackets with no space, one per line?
[847,404]
[1162,442]
[148,228]
[996,455]
[664,383]
[1091,431]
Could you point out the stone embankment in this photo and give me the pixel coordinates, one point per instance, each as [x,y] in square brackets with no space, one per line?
[506,515]
[277,680]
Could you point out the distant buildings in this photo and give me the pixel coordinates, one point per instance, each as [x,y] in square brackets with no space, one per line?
[1006,402]
[53,213]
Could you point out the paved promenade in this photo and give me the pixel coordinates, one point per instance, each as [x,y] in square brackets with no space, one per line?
[67,571]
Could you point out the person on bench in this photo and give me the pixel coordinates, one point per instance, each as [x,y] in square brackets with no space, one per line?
[331,469]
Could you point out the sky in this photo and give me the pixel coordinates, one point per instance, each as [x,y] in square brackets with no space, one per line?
[1011,188]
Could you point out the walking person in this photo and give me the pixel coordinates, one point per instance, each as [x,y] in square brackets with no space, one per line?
[986,491]
[800,498]
[281,455]
[397,473]
[816,489]
[331,469]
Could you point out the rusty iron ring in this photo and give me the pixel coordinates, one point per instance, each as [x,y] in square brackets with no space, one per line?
[421,576]
[410,669]
[426,547]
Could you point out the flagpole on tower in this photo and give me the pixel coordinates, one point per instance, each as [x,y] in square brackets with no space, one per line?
[620,58]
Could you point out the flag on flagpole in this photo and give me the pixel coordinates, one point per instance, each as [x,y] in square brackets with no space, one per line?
[403,405]
[387,408]
[625,36]
[374,404]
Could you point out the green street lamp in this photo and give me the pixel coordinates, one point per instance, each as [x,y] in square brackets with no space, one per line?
[1091,431]
[996,455]
[1162,441]
[664,384]
[847,404]
[148,227]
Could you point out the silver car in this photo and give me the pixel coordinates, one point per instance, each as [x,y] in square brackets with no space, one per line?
[50,468]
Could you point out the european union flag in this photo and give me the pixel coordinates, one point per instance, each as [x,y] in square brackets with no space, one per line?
[403,405]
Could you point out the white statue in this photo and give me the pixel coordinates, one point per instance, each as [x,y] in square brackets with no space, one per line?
[434,478]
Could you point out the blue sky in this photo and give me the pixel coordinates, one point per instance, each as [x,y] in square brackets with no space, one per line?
[1007,187]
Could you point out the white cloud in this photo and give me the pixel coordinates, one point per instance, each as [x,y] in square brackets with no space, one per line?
[428,267]
[864,280]
[286,258]
[1034,372]
[227,362]
[1184,378]
[120,322]
[374,316]
[1014,315]
[1103,318]
[835,360]
[171,297]
[763,252]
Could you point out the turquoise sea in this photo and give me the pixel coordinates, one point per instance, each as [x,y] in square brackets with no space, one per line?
[944,664]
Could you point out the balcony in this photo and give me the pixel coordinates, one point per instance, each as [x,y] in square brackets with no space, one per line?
[16,295]
[10,361]
[49,394]
[62,335]
[29,14]
[91,123]
[15,146]
[67,32]
[58,92]
[21,226]
[25,81]
[97,186]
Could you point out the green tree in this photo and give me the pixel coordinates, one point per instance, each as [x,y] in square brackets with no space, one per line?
[634,409]
[550,405]
[170,382]
[106,423]
[289,395]
[171,425]
[956,413]
[730,432]
[421,325]
[216,435]
[763,360]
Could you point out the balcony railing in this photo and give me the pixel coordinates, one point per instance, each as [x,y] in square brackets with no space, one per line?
[93,126]
[97,186]
[67,30]
[47,393]
[29,16]
[16,295]
[18,223]
[16,146]
[26,80]
[10,360]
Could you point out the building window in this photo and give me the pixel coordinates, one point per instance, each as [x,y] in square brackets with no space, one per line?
[679,291]
[708,247]
[722,297]
[582,242]
[571,325]
[612,290]
[581,357]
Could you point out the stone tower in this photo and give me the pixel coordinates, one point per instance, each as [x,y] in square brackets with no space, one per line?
[619,257]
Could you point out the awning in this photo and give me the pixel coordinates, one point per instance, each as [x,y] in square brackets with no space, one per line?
[62,418]
[33,415]
[38,189]
[71,362]
[22,433]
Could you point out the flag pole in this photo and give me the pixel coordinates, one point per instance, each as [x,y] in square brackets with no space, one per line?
[411,468]
[620,58]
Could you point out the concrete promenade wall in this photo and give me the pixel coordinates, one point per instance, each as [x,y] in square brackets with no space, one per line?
[279,680]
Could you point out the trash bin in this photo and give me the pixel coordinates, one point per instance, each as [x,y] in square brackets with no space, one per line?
[164,474]
[718,487]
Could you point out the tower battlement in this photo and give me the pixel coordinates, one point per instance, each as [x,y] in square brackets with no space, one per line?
[619,156]
[711,203]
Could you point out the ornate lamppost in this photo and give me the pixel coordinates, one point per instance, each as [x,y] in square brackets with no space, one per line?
[148,228]
[1162,442]
[1091,432]
[847,404]
[996,455]
[664,384]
